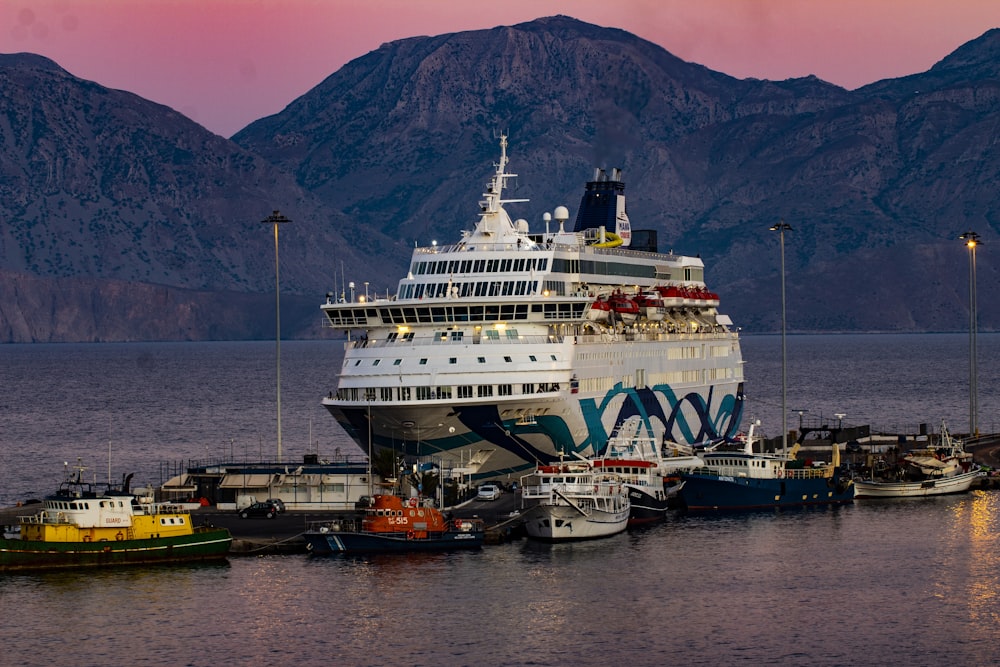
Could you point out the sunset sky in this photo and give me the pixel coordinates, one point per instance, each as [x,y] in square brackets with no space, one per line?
[225,63]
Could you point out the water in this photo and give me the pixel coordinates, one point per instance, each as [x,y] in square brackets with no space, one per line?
[901,582]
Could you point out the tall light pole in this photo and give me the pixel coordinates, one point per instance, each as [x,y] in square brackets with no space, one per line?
[971,241]
[782,227]
[276,219]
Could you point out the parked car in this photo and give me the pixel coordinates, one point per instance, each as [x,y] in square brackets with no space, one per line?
[488,492]
[258,510]
[279,504]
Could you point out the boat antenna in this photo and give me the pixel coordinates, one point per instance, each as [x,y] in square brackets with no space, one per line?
[109,452]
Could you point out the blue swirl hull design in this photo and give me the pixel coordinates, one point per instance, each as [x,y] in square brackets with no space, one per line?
[456,434]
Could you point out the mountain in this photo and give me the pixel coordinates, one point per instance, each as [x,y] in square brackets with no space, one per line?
[113,199]
[876,183]
[395,147]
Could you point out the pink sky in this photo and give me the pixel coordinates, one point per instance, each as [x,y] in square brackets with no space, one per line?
[225,63]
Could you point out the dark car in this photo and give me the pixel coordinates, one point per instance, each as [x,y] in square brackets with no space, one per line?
[258,510]
[279,504]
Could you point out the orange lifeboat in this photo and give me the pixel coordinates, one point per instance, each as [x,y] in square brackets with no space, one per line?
[625,308]
[651,306]
[600,310]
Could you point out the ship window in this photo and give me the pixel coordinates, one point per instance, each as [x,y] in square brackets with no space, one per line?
[527,388]
[511,333]
[385,393]
[357,363]
[465,391]
[423,362]
[508,359]
[553,357]
[376,362]
[485,390]
[482,360]
[397,362]
[504,390]
[391,338]
[452,360]
[532,357]
[404,393]
[407,337]
[457,335]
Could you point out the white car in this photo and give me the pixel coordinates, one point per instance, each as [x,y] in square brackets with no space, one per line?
[488,492]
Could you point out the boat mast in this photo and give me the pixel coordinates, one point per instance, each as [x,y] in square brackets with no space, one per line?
[782,227]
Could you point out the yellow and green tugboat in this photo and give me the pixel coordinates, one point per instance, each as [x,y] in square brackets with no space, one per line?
[83,526]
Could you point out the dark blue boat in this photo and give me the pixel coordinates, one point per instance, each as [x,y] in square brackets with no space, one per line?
[744,479]
[392,525]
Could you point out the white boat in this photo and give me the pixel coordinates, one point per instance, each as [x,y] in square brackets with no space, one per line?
[650,476]
[573,501]
[939,486]
[931,471]
[503,349]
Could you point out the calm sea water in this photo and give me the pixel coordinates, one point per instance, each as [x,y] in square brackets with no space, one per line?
[873,583]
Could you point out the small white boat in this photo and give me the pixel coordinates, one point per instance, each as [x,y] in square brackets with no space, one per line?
[573,501]
[931,486]
[931,471]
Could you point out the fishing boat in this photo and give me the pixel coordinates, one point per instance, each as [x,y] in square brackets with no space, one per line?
[512,345]
[743,479]
[393,525]
[573,501]
[651,479]
[931,471]
[85,525]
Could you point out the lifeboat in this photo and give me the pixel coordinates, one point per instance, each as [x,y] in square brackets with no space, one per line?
[651,306]
[625,308]
[671,295]
[600,310]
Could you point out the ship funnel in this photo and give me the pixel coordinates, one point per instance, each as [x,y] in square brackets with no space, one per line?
[603,205]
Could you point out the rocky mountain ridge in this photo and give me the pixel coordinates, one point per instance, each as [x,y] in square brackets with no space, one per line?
[135,204]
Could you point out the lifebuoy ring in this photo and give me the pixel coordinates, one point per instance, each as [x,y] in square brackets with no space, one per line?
[458,524]
[410,535]
[86,538]
[413,502]
[119,536]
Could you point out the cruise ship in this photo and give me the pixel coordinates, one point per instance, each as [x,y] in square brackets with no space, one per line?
[514,346]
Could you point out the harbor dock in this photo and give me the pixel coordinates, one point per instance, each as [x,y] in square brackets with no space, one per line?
[283,533]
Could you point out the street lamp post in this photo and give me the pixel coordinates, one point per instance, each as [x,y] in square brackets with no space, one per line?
[782,227]
[276,219]
[971,241]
